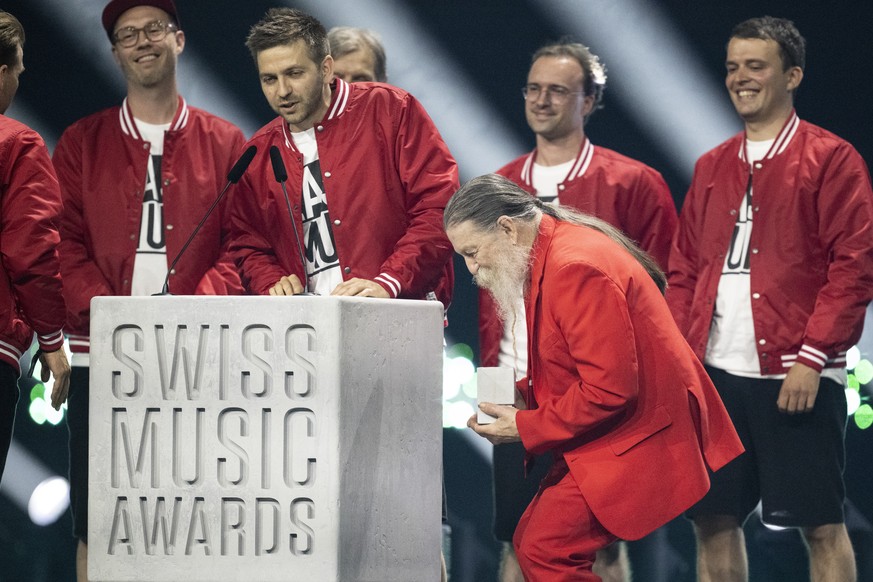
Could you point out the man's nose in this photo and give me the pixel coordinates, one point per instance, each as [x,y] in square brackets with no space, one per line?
[284,88]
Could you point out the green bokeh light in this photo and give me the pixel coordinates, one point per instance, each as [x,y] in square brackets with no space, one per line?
[40,409]
[864,371]
[853,382]
[460,351]
[864,416]
[37,391]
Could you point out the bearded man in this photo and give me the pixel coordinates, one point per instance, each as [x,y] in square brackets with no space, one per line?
[368,178]
[612,389]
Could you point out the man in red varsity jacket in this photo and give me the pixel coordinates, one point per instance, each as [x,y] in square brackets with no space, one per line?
[136,180]
[31,300]
[770,276]
[368,178]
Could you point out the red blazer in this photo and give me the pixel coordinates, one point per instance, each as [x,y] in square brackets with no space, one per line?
[613,385]
[626,193]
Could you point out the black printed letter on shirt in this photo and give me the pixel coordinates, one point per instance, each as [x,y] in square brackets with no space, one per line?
[151,235]
[317,232]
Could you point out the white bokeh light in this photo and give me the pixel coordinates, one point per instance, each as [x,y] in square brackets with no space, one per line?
[456,372]
[451,386]
[853,400]
[49,501]
[456,414]
[853,356]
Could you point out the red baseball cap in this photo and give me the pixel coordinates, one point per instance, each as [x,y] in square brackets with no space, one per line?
[116,8]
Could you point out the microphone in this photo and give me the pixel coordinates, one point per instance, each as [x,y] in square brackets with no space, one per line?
[281,175]
[233,176]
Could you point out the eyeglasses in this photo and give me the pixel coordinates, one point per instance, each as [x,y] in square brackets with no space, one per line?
[555,93]
[155,31]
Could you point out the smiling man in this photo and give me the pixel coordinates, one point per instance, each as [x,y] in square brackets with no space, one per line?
[772,308]
[136,179]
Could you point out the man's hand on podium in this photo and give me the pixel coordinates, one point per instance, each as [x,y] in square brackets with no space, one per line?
[360,288]
[287,285]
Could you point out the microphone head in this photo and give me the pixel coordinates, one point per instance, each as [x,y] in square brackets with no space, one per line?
[242,164]
[279,170]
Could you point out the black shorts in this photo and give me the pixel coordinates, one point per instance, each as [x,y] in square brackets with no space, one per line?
[77,424]
[513,492]
[793,464]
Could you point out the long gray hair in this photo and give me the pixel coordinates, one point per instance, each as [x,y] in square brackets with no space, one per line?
[484,199]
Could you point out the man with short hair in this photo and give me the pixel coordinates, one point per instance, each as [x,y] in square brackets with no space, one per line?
[565,86]
[358,55]
[368,178]
[136,179]
[612,391]
[770,276]
[368,201]
[31,299]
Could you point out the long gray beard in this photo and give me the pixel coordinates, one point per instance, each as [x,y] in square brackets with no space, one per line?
[506,280]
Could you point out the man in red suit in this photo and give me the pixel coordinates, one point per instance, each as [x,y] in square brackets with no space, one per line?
[565,86]
[612,390]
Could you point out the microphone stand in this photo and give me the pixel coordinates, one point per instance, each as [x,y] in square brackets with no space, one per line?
[233,177]
[281,175]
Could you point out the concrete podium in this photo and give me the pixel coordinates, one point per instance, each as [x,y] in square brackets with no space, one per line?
[265,438]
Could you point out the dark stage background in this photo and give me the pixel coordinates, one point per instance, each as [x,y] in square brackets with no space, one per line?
[665,104]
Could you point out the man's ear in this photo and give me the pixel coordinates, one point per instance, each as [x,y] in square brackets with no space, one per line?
[587,105]
[180,42]
[795,76]
[509,227]
[327,67]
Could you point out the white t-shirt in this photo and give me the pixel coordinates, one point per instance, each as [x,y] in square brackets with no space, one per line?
[732,345]
[513,344]
[546,179]
[322,261]
[150,264]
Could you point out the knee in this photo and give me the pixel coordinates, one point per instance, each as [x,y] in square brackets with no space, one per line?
[707,527]
[825,535]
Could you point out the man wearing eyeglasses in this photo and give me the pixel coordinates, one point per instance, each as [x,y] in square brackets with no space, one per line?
[136,179]
[564,87]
